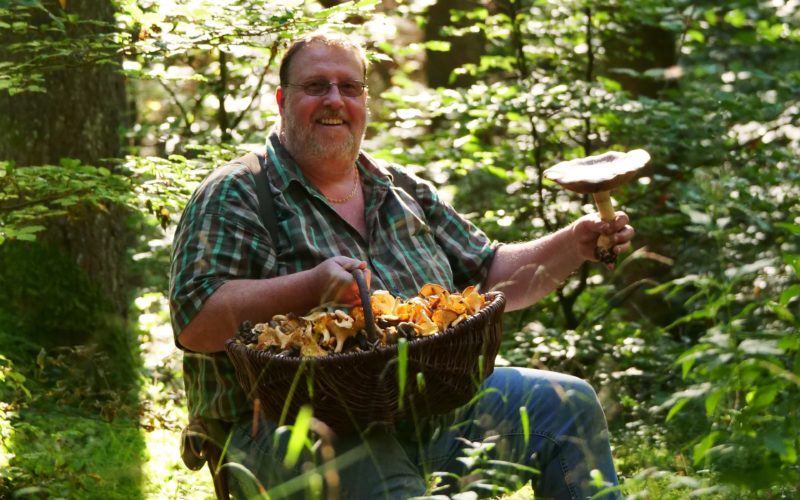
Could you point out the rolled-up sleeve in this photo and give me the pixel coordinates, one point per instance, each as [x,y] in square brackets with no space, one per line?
[219,238]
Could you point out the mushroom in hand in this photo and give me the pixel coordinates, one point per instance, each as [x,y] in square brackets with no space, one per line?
[597,175]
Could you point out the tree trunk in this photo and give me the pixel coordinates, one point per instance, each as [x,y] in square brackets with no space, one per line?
[464,49]
[79,115]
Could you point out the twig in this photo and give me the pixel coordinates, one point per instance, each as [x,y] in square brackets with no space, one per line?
[257,89]
[184,113]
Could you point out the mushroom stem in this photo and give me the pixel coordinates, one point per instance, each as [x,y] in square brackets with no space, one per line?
[605,243]
[604,205]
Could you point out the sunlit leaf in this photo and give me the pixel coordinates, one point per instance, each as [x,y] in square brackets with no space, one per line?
[298,437]
[702,448]
[675,409]
[402,370]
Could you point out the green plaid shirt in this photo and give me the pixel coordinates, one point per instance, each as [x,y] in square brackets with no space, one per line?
[412,240]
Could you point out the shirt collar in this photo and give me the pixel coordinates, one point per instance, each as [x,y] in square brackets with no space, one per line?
[287,170]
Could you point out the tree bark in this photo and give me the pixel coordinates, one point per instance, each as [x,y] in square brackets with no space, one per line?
[464,49]
[80,115]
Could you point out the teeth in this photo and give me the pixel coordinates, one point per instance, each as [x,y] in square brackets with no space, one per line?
[331,121]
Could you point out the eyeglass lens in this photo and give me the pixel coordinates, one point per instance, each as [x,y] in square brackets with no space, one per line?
[349,88]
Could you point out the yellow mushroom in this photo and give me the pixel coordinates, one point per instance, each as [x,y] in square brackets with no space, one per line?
[443,318]
[383,303]
[342,329]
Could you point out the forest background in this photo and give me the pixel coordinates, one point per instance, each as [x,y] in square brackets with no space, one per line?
[112,111]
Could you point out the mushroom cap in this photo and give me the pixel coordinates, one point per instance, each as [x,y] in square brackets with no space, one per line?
[598,173]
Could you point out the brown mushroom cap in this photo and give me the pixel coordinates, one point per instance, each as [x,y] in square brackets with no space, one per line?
[598,173]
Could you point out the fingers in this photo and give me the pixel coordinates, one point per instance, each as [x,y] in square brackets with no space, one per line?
[619,226]
[337,276]
[620,221]
[621,240]
[618,234]
[349,264]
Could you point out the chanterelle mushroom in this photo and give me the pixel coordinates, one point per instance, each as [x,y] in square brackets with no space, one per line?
[597,175]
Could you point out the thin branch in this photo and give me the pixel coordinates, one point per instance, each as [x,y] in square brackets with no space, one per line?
[184,113]
[222,89]
[523,74]
[587,121]
[12,207]
[257,89]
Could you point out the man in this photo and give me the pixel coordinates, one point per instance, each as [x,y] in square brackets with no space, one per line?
[339,210]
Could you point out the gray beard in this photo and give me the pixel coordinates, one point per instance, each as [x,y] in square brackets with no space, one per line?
[304,147]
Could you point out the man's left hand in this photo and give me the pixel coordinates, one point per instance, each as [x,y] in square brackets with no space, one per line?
[588,228]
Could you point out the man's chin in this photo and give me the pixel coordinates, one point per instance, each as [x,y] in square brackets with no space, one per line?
[322,147]
[342,150]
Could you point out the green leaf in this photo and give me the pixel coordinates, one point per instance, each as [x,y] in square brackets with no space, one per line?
[701,449]
[30,229]
[736,18]
[713,400]
[696,35]
[402,370]
[366,4]
[298,437]
[792,228]
[794,262]
[676,408]
[497,171]
[774,441]
[437,45]
[696,216]
[526,424]
[782,311]
[788,294]
[609,84]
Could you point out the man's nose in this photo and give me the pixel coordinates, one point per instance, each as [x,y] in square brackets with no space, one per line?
[334,98]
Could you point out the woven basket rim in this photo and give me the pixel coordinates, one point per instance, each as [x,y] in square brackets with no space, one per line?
[497,300]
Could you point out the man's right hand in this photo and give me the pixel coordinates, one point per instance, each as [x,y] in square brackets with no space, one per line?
[258,300]
[335,278]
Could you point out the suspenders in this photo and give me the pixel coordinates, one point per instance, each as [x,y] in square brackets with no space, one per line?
[257,164]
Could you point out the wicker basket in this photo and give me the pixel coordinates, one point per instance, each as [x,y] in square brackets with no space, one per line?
[349,391]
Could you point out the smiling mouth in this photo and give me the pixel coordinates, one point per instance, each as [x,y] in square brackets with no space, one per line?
[331,121]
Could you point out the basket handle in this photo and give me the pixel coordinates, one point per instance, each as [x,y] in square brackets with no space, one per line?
[363,292]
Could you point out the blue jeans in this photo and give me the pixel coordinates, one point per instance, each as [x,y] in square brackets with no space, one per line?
[481,444]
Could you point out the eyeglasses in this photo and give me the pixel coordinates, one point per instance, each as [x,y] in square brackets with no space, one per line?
[348,88]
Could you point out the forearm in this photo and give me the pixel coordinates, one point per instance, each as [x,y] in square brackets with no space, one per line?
[246,299]
[528,271]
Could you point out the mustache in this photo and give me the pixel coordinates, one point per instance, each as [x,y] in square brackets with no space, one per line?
[331,114]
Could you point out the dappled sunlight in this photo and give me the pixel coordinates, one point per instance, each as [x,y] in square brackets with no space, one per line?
[163,408]
[165,476]
[692,340]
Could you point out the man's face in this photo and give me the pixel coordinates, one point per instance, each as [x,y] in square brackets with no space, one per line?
[328,127]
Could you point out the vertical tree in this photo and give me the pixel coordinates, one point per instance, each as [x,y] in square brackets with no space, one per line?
[63,101]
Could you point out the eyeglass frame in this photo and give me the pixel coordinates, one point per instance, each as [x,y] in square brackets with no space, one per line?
[305,86]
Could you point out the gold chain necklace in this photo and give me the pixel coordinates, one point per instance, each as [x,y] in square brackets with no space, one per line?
[352,191]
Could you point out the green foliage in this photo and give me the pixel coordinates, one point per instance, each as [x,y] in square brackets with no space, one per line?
[49,300]
[691,341]
[743,372]
[31,195]
[45,458]
[42,38]
[719,119]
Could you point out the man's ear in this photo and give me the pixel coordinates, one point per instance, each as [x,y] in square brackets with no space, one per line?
[280,98]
